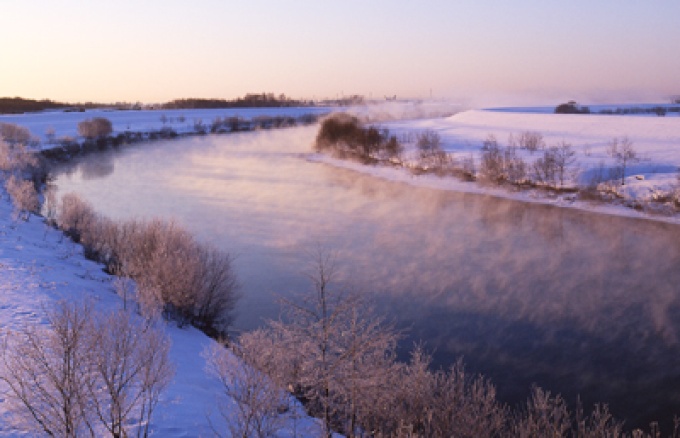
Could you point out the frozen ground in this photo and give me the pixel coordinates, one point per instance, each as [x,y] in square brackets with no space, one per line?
[655,139]
[38,266]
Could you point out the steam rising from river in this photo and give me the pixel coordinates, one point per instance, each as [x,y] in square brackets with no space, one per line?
[526,293]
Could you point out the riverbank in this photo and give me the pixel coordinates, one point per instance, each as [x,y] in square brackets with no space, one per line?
[651,179]
[40,266]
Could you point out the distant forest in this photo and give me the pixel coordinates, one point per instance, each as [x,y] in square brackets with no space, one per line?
[248,101]
[18,105]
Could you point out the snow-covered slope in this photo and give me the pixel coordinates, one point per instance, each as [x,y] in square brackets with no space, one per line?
[656,141]
[39,266]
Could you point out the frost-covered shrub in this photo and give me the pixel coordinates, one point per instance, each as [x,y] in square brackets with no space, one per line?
[514,167]
[97,127]
[85,373]
[492,165]
[249,401]
[189,282]
[531,141]
[24,196]
[430,151]
[16,159]
[623,152]
[14,134]
[346,137]
[76,217]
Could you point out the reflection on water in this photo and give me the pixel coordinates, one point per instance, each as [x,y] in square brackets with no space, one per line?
[575,302]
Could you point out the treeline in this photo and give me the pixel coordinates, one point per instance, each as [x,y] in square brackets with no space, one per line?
[18,105]
[251,100]
[572,107]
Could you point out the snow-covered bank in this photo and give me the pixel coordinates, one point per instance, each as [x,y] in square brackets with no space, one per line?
[655,140]
[65,124]
[38,266]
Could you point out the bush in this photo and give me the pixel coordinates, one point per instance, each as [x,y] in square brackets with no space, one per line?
[531,141]
[492,166]
[95,128]
[187,281]
[14,134]
[17,160]
[345,136]
[24,196]
[430,152]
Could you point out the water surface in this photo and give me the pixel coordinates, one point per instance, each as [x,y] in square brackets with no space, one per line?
[578,303]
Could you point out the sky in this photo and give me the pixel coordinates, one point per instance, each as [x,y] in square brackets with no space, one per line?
[469,50]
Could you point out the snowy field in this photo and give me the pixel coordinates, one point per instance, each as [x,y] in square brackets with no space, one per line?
[656,140]
[65,124]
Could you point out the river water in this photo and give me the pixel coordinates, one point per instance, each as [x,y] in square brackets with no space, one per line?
[575,302]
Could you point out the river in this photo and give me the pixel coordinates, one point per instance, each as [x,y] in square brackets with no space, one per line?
[575,302]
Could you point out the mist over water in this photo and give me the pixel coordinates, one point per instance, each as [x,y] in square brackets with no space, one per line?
[577,303]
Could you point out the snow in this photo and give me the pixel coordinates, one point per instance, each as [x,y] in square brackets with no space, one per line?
[655,139]
[66,123]
[595,109]
[39,266]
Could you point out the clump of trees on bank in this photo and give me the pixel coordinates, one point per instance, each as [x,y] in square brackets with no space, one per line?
[346,137]
[175,275]
[22,170]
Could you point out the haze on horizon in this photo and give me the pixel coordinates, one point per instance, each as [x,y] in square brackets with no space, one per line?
[471,50]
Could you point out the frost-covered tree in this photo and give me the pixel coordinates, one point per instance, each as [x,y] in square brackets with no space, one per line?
[86,373]
[332,351]
[623,153]
[45,369]
[97,127]
[24,196]
[249,401]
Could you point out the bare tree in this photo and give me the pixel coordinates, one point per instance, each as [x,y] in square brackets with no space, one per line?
[492,165]
[45,368]
[332,351]
[563,159]
[131,368]
[87,373]
[531,141]
[258,399]
[545,168]
[430,151]
[515,169]
[624,154]
[544,415]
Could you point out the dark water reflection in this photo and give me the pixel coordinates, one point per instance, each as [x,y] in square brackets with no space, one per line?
[577,303]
